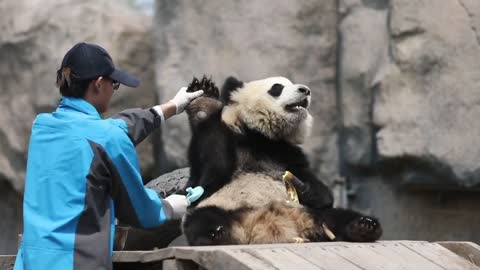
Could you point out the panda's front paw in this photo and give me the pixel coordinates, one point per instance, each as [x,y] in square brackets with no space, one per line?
[313,195]
[204,107]
[207,85]
[364,229]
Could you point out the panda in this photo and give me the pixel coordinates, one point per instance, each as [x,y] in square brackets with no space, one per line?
[244,138]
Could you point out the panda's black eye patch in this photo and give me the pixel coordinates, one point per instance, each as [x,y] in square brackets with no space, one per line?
[276,90]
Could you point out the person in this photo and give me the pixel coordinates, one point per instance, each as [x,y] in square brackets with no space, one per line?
[83,171]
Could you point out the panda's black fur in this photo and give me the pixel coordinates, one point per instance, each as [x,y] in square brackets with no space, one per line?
[241,167]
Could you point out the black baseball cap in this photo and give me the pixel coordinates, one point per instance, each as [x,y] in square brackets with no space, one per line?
[89,61]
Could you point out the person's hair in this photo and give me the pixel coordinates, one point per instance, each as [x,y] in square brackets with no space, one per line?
[69,85]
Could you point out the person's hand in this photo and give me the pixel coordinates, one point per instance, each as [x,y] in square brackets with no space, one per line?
[179,204]
[183,98]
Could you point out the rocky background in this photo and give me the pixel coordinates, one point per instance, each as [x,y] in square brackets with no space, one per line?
[395,91]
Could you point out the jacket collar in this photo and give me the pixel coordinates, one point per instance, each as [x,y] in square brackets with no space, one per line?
[78,104]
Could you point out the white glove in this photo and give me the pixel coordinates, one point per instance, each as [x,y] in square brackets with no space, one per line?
[179,204]
[182,98]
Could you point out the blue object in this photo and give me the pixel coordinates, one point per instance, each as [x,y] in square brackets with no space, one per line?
[194,193]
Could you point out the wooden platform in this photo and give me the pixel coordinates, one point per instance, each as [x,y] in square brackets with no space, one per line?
[385,255]
[404,255]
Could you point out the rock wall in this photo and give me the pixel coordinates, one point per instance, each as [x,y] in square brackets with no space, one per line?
[428,103]
[408,82]
[35,36]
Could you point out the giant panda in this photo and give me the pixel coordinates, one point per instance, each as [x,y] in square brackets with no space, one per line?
[243,140]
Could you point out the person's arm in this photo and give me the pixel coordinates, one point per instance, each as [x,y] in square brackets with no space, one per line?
[139,123]
[135,204]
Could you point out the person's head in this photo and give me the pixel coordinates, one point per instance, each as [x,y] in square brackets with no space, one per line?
[87,71]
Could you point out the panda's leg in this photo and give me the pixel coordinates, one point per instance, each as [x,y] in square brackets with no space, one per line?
[348,225]
[212,159]
[212,225]
[279,222]
[211,151]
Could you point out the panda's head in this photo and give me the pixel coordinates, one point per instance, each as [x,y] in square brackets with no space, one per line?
[274,106]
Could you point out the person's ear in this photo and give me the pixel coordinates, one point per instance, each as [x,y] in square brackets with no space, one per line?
[98,83]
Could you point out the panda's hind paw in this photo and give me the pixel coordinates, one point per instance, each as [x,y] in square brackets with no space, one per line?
[364,229]
[206,84]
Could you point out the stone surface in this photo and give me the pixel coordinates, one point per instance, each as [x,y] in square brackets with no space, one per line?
[35,36]
[408,83]
[250,40]
[363,57]
[428,104]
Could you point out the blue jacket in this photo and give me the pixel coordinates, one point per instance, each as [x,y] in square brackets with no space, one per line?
[82,173]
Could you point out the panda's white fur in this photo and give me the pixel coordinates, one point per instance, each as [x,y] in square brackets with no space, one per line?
[254,108]
[247,189]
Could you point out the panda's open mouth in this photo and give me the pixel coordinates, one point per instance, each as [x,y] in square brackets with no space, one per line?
[293,107]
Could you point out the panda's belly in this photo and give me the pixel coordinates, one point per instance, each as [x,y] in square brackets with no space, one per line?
[247,189]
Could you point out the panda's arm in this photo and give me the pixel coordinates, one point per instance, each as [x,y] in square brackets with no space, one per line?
[315,194]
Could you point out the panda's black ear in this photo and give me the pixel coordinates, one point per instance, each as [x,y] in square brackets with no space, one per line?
[231,84]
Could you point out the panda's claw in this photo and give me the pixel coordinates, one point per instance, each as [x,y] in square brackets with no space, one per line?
[207,85]
[194,85]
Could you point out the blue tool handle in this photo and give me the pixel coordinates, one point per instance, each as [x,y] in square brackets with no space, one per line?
[194,193]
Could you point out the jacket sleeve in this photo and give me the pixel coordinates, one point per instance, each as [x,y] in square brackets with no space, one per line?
[139,123]
[134,204]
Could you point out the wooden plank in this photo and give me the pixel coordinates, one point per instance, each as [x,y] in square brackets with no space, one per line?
[364,258]
[249,260]
[467,250]
[215,259]
[441,256]
[188,252]
[234,259]
[129,256]
[403,256]
[324,258]
[282,258]
[144,256]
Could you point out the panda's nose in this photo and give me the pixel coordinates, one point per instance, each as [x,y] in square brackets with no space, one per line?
[304,90]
